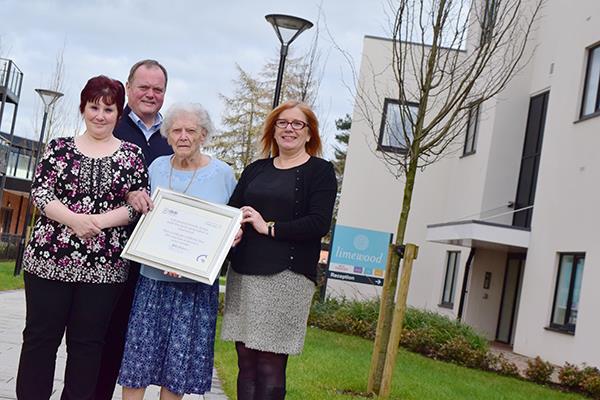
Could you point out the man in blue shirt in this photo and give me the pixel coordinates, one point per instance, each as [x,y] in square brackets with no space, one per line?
[140,124]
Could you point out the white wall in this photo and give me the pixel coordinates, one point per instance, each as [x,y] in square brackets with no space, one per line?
[566,216]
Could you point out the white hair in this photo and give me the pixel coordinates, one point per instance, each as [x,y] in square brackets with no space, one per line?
[194,109]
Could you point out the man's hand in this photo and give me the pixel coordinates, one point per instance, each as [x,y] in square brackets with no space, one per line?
[140,201]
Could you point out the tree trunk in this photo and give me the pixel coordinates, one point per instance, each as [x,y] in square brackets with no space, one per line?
[390,283]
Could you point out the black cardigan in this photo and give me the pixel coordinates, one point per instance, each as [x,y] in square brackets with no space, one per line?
[299,237]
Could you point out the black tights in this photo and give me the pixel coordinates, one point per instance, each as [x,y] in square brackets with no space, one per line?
[264,368]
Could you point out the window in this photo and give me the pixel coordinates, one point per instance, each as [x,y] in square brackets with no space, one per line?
[450,279]
[391,135]
[489,20]
[471,134]
[568,288]
[591,91]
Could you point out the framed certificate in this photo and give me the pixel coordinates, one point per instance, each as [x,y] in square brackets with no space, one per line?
[185,235]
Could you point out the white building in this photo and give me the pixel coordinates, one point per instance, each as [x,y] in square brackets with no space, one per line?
[525,278]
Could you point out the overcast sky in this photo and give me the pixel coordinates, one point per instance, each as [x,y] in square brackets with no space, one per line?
[199,42]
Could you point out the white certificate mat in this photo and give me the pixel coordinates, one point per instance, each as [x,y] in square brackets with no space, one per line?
[185,235]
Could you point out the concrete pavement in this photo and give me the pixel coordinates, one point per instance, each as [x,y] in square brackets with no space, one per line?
[12,322]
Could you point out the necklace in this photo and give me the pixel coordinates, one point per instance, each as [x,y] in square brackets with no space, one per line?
[171,176]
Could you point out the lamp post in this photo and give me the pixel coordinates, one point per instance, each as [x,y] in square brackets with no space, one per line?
[48,97]
[287,28]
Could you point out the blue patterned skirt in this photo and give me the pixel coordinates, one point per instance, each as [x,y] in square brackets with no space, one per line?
[170,337]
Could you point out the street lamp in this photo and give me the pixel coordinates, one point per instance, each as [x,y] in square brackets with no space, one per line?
[287,28]
[48,97]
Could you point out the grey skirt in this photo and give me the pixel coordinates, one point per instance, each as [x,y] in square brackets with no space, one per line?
[267,312]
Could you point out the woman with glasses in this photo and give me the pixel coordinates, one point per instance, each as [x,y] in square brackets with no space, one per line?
[287,203]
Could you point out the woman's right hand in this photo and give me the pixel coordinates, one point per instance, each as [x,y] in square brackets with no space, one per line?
[140,201]
[85,226]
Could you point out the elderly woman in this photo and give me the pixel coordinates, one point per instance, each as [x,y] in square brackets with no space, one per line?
[170,339]
[287,203]
[73,272]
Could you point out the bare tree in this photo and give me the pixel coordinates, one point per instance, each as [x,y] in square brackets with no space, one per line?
[63,119]
[448,57]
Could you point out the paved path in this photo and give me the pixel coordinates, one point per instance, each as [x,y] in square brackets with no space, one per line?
[519,360]
[12,321]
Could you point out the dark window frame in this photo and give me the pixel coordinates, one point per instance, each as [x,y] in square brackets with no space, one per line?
[530,159]
[566,326]
[470,145]
[582,115]
[382,128]
[489,21]
[449,302]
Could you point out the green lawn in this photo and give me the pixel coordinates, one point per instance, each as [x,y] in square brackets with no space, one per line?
[335,366]
[7,280]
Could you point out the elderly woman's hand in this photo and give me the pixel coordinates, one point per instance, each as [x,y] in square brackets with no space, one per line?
[253,217]
[172,274]
[140,201]
[85,226]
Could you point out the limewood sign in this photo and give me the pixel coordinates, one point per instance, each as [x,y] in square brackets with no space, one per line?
[358,255]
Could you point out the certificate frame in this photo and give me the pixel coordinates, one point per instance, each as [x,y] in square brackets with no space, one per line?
[185,235]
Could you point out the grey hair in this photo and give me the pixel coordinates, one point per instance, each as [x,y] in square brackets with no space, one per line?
[195,109]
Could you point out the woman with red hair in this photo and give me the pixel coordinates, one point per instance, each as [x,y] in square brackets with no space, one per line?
[287,203]
[73,270]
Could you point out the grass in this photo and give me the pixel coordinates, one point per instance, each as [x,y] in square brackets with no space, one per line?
[7,280]
[335,366]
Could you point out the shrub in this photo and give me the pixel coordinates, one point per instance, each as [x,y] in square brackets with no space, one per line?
[590,381]
[424,332]
[571,376]
[587,372]
[591,385]
[459,351]
[358,318]
[419,341]
[539,371]
[442,328]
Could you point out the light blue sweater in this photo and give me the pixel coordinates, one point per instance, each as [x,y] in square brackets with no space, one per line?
[214,182]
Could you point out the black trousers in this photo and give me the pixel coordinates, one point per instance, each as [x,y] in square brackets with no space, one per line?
[83,310]
[112,353]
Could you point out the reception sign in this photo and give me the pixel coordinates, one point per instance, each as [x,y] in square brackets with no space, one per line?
[358,255]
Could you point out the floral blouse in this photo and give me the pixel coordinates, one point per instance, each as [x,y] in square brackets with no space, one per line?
[86,186]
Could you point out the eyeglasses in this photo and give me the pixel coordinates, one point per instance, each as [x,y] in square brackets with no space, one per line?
[296,124]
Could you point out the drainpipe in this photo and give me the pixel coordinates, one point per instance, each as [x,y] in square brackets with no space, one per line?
[463,292]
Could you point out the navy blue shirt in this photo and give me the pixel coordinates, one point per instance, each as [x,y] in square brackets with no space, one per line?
[128,131]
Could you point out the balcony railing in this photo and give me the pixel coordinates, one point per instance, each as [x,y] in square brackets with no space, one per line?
[11,76]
